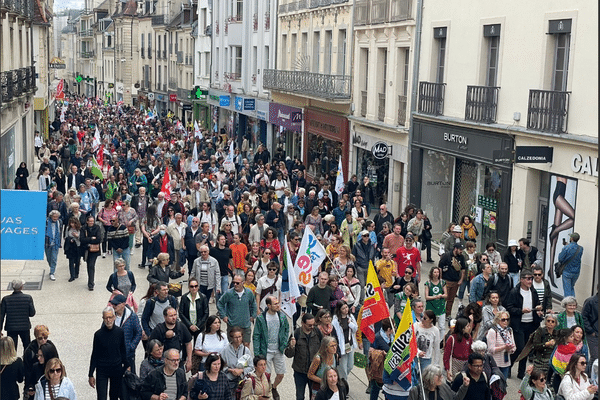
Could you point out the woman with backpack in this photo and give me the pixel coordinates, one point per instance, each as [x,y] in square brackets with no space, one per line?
[458,348]
[258,383]
[533,385]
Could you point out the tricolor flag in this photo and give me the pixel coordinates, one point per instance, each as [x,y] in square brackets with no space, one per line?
[339,181]
[374,308]
[398,362]
[289,287]
[166,185]
[194,167]
[96,169]
[310,256]
[197,132]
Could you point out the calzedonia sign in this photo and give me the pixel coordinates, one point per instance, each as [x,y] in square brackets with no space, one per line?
[380,150]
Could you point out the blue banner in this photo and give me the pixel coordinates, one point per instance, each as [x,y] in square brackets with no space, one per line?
[23,215]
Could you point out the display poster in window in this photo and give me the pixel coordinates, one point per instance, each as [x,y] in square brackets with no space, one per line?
[492,222]
[561,220]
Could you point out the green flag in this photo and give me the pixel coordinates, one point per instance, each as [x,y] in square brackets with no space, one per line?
[96,170]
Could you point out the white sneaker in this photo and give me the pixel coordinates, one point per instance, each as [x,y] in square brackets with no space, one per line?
[52,277]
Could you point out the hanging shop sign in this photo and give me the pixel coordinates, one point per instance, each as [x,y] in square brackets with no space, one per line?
[534,154]
[151,96]
[173,97]
[380,150]
[224,101]
[286,116]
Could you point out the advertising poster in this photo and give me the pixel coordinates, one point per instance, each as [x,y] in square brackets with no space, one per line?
[561,217]
[23,227]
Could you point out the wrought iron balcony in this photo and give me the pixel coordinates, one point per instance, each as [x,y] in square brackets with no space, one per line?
[308,83]
[19,7]
[180,57]
[6,87]
[255,22]
[381,107]
[87,54]
[481,104]
[363,103]
[402,102]
[267,20]
[142,54]
[283,8]
[431,98]
[159,20]
[164,54]
[233,76]
[23,84]
[548,111]
[86,33]
[368,12]
[313,3]
[149,52]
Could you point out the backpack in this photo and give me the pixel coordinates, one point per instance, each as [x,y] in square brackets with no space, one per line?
[240,386]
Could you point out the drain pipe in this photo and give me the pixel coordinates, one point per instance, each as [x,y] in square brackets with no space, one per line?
[415,86]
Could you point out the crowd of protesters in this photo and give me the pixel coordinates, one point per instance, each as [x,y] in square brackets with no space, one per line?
[217,233]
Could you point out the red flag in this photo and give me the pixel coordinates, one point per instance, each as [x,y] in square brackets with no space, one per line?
[100,157]
[374,307]
[166,185]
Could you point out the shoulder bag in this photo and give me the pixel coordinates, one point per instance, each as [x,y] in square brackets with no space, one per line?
[559,267]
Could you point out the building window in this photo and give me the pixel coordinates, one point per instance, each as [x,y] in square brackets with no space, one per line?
[294,51]
[383,69]
[406,52]
[266,57]
[341,67]
[316,51]
[561,61]
[238,62]
[284,51]
[305,56]
[142,45]
[439,34]
[239,10]
[492,36]
[328,51]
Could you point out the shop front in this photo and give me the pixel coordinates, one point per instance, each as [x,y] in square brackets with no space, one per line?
[381,158]
[161,103]
[561,180]
[326,138]
[458,171]
[201,112]
[287,131]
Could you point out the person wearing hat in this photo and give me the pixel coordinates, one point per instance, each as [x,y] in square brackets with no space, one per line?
[364,252]
[454,267]
[523,305]
[454,238]
[127,319]
[513,257]
[570,256]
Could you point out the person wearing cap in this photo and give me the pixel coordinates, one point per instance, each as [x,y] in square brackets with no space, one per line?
[364,252]
[454,238]
[454,267]
[570,256]
[513,257]
[523,305]
[127,319]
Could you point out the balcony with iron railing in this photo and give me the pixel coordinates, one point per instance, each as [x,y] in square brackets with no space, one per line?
[87,54]
[142,52]
[548,111]
[308,83]
[233,76]
[267,20]
[149,52]
[402,104]
[381,107]
[363,103]
[481,104]
[86,33]
[16,83]
[159,20]
[368,12]
[23,8]
[172,83]
[431,98]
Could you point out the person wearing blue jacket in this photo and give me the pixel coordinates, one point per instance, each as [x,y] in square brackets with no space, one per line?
[479,283]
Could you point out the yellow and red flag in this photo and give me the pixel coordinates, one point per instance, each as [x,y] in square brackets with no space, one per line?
[398,362]
[374,308]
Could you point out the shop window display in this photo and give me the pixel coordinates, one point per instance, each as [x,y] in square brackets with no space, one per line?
[323,155]
[377,170]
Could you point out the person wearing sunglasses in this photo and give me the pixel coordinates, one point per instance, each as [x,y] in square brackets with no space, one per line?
[525,311]
[501,341]
[542,286]
[54,383]
[238,308]
[194,317]
[576,384]
[534,384]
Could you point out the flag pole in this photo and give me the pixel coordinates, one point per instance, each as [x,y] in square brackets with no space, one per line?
[421,376]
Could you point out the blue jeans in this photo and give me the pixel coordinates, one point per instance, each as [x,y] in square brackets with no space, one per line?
[224,287]
[505,371]
[515,278]
[125,255]
[461,290]
[568,281]
[301,380]
[52,257]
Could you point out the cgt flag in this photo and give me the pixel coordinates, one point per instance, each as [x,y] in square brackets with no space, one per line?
[374,308]
[166,185]
[398,362]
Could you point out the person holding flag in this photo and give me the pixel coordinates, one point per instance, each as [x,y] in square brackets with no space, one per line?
[290,291]
[397,370]
[374,308]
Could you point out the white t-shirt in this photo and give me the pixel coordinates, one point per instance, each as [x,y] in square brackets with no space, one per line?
[211,343]
[428,340]
[527,303]
[264,283]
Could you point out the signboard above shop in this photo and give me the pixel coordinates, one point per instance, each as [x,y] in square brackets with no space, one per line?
[534,154]
[380,150]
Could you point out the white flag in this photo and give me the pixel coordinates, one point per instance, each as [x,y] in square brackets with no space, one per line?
[290,290]
[339,181]
[96,143]
[228,163]
[310,256]
[197,132]
[194,167]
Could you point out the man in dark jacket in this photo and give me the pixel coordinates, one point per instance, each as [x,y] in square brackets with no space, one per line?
[192,234]
[118,239]
[109,357]
[275,219]
[174,335]
[501,282]
[590,323]
[453,266]
[364,252]
[302,347]
[523,305]
[153,310]
[127,320]
[156,384]
[194,322]
[17,308]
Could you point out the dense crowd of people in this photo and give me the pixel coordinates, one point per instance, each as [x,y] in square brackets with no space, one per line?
[212,226]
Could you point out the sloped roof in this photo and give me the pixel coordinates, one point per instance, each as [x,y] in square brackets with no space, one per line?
[103,5]
[41,13]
